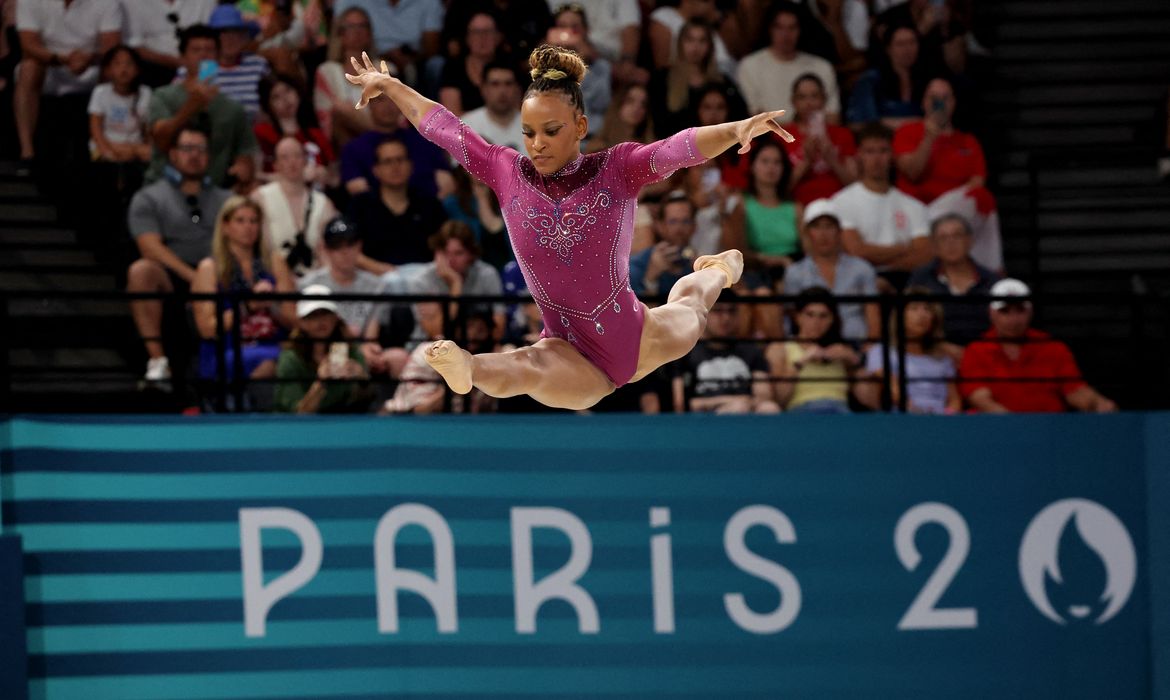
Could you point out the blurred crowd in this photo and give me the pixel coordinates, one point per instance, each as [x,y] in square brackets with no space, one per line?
[221,139]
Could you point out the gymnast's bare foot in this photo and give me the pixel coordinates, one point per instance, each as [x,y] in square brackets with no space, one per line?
[452,362]
[730,262]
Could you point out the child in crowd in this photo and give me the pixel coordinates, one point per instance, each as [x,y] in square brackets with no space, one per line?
[118,108]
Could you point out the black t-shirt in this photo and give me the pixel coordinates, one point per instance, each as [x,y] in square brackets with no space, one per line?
[963,322]
[394,239]
[455,75]
[724,370]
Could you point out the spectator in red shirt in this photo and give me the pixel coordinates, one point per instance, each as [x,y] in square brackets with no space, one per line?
[1012,350]
[945,169]
[822,153]
[291,114]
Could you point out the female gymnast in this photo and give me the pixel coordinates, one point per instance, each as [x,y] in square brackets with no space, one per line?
[570,218]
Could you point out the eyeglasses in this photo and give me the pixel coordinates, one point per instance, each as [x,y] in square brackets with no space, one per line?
[194,210]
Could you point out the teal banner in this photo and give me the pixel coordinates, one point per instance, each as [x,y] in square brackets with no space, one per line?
[617,556]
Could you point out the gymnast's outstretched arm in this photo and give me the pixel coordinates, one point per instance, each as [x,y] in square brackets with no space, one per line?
[374,82]
[717,138]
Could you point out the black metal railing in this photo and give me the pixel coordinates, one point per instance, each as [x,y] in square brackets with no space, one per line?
[1143,380]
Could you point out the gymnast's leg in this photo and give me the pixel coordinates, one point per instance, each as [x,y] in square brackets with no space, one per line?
[671,330]
[551,371]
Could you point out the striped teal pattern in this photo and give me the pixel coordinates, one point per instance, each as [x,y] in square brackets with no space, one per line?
[133,565]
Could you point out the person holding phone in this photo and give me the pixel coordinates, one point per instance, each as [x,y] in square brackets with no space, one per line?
[321,370]
[946,170]
[197,100]
[822,154]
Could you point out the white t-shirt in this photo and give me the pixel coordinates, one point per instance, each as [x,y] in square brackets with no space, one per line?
[607,19]
[146,23]
[123,115]
[767,81]
[64,30]
[886,219]
[283,225]
[481,123]
[672,20]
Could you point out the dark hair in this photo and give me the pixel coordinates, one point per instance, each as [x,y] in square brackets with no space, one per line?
[191,127]
[306,117]
[820,295]
[109,56]
[573,7]
[674,197]
[920,74]
[875,130]
[452,230]
[197,31]
[560,70]
[758,146]
[390,139]
[500,63]
[810,77]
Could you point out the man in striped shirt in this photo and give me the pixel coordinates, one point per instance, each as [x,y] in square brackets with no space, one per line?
[239,72]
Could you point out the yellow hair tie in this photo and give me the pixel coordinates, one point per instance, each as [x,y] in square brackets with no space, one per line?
[550,74]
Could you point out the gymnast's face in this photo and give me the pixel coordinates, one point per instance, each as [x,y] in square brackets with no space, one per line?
[553,130]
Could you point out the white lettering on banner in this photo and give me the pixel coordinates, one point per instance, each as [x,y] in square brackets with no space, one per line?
[530,595]
[1101,531]
[439,591]
[737,551]
[922,613]
[662,573]
[258,598]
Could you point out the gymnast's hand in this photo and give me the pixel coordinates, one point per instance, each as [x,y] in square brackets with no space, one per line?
[752,127]
[372,81]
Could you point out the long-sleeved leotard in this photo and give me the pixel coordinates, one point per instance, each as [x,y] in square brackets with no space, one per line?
[571,231]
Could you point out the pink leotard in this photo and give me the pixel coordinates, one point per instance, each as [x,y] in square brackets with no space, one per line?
[571,231]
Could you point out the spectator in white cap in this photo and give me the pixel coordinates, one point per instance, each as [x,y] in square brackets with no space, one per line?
[1014,368]
[826,265]
[322,369]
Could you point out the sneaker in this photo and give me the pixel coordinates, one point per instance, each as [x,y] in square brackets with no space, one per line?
[158,374]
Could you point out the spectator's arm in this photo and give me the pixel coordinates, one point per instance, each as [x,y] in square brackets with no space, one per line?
[868,391]
[33,46]
[357,185]
[164,131]
[286,312]
[163,59]
[204,311]
[913,164]
[311,401]
[954,401]
[660,41]
[375,266]
[982,401]
[98,134]
[762,388]
[873,321]
[735,233]
[783,370]
[875,255]
[977,181]
[678,395]
[649,403]
[1088,400]
[911,257]
[151,247]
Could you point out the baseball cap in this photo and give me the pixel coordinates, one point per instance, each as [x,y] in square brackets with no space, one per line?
[1009,288]
[308,306]
[818,208]
[228,17]
[340,231]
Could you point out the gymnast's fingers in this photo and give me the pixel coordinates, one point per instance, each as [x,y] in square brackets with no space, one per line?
[368,62]
[788,138]
[385,69]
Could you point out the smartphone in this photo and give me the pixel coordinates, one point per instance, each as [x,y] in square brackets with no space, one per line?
[816,123]
[338,355]
[208,69]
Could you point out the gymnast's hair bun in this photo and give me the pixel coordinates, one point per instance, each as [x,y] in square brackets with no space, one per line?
[556,63]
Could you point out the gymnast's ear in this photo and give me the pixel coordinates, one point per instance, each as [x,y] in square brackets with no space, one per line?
[582,126]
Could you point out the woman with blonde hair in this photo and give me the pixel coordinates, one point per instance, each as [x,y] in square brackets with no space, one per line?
[930,371]
[333,96]
[241,261]
[570,219]
[675,91]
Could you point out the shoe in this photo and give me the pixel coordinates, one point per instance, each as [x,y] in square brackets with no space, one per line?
[158,374]
[24,167]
